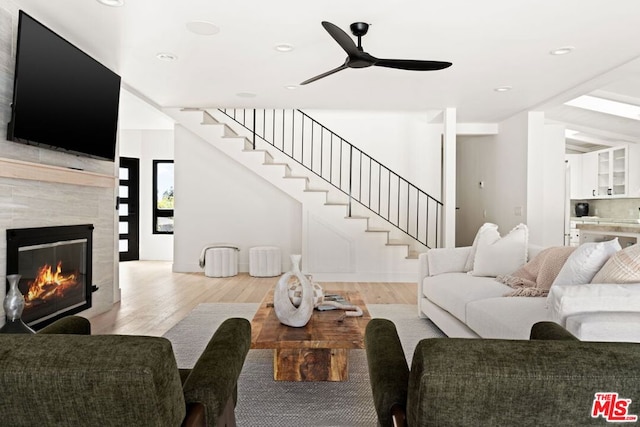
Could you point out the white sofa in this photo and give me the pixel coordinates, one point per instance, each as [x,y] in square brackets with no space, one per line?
[467,306]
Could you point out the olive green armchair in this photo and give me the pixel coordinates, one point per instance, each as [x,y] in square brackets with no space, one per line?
[64,376]
[551,380]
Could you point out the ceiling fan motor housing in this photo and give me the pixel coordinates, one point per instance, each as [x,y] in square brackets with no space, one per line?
[359,29]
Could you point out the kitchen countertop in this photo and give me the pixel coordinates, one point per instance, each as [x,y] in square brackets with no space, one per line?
[599,220]
[610,227]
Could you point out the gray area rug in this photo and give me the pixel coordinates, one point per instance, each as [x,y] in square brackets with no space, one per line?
[265,402]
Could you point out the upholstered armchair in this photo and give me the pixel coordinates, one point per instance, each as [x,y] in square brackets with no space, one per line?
[62,376]
[551,380]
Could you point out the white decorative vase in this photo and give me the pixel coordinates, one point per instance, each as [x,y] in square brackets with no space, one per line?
[287,313]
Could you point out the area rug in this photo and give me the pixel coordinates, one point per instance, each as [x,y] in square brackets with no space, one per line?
[265,402]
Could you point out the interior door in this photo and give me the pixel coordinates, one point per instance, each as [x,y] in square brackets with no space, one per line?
[128,209]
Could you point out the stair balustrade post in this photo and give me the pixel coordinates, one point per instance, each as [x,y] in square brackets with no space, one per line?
[350,178]
[253,129]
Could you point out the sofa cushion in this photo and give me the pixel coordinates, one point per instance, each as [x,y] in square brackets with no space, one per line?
[502,256]
[565,301]
[452,291]
[506,318]
[617,327]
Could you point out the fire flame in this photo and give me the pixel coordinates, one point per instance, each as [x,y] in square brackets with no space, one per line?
[49,284]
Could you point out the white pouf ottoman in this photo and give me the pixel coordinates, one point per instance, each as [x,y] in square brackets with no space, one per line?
[221,261]
[606,326]
[264,261]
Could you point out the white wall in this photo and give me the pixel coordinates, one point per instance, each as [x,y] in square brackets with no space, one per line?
[500,162]
[522,169]
[405,142]
[546,175]
[218,200]
[149,145]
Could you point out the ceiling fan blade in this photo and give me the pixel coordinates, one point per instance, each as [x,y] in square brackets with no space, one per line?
[328,73]
[341,37]
[412,64]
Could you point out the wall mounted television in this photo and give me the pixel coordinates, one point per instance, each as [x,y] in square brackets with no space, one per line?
[63,99]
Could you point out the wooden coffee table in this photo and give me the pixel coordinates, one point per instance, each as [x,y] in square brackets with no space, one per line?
[318,351]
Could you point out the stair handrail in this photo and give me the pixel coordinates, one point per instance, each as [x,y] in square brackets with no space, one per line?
[251,122]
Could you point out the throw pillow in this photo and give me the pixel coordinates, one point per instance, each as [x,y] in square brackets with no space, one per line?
[502,256]
[585,262]
[622,267]
[488,232]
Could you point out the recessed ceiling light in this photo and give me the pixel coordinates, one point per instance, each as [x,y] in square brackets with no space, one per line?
[165,56]
[284,47]
[112,3]
[503,89]
[203,28]
[246,95]
[291,87]
[562,50]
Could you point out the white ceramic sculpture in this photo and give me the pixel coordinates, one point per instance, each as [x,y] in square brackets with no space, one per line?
[287,313]
[295,292]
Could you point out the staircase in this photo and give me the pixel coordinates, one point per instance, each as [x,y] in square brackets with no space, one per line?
[325,173]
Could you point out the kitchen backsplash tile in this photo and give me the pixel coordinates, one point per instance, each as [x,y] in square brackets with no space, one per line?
[611,208]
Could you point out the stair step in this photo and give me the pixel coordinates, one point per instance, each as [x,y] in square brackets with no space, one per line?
[296,177]
[413,255]
[396,243]
[315,190]
[377,230]
[336,204]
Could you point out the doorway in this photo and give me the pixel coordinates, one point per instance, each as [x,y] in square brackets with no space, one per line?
[128,209]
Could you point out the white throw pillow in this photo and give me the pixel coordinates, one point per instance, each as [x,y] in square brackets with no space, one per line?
[585,262]
[488,232]
[502,256]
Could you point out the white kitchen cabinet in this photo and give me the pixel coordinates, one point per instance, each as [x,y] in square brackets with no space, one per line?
[575,176]
[633,165]
[605,173]
[589,175]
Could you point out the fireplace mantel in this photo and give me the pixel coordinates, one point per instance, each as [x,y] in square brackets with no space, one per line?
[11,168]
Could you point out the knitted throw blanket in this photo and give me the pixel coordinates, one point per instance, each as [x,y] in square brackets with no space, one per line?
[534,279]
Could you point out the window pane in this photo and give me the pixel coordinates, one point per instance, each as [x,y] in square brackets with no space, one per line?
[123,191]
[124,209]
[124,245]
[165,225]
[165,186]
[123,227]
[124,173]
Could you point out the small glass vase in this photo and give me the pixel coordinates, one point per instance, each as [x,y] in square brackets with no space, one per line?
[13,307]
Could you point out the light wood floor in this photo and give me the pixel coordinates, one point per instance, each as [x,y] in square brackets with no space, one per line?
[154,298]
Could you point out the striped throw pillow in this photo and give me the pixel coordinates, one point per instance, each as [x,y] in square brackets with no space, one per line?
[622,267]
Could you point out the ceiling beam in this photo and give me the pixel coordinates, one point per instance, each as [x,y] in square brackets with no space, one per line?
[596,132]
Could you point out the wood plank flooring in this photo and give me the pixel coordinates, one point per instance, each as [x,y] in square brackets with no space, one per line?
[154,298]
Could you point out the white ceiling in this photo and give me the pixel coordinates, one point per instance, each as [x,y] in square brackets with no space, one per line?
[491,43]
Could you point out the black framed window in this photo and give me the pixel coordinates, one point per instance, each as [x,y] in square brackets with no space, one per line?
[163,197]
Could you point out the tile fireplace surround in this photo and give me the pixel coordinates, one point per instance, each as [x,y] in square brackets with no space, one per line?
[40,196]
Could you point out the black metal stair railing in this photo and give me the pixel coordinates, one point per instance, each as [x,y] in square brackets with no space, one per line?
[362,178]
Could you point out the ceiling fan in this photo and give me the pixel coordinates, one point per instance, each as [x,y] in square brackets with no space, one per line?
[358,58]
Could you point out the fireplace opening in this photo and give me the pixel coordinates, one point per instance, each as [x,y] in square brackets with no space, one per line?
[55,268]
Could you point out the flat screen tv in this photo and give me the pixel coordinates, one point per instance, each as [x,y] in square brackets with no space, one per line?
[63,99]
